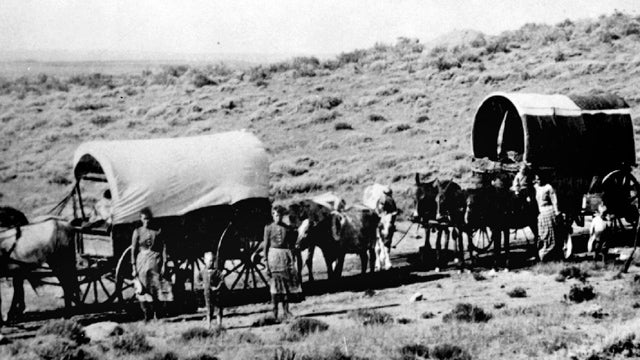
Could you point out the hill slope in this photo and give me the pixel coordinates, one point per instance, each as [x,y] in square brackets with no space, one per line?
[379,114]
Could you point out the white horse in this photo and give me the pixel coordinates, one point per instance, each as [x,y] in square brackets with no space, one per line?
[24,248]
[386,229]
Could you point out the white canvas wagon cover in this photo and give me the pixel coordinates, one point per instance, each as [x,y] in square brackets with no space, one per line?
[173,176]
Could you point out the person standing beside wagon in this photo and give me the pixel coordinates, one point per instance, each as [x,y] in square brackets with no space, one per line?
[148,259]
[279,241]
[549,219]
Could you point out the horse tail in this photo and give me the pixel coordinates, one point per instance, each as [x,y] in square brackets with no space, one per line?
[63,259]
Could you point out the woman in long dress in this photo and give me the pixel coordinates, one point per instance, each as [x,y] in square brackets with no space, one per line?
[549,220]
[279,241]
[148,257]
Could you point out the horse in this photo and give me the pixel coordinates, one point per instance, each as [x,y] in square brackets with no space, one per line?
[25,247]
[439,205]
[336,234]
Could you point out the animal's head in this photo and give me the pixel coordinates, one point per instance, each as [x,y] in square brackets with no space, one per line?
[425,200]
[313,222]
[449,200]
[387,224]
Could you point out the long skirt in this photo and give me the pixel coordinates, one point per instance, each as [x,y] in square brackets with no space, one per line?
[148,266]
[284,283]
[549,234]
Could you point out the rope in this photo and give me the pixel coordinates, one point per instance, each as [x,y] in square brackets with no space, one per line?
[403,236]
[57,210]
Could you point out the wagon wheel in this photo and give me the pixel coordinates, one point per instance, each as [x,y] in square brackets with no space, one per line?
[124,277]
[246,271]
[621,192]
[480,239]
[191,266]
[96,281]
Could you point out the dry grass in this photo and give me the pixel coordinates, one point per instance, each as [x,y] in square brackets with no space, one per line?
[385,92]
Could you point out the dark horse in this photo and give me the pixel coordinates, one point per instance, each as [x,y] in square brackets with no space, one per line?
[24,247]
[440,206]
[336,234]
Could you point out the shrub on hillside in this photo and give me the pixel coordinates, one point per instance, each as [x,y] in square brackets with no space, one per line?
[343,126]
[444,63]
[467,313]
[93,81]
[88,106]
[247,337]
[376,117]
[395,128]
[370,317]
[517,292]
[201,80]
[422,118]
[162,355]
[298,185]
[65,328]
[59,178]
[175,70]
[414,352]
[201,356]
[200,333]
[579,293]
[497,45]
[287,168]
[324,116]
[302,327]
[351,57]
[38,85]
[336,354]
[387,91]
[102,119]
[258,74]
[408,45]
[134,342]
[478,42]
[449,352]
[627,346]
[572,272]
[51,347]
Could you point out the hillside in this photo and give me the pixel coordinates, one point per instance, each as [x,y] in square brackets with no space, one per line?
[379,114]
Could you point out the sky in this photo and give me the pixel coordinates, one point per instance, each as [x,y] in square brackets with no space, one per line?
[319,27]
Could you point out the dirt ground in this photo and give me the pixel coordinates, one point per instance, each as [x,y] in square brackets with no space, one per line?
[544,323]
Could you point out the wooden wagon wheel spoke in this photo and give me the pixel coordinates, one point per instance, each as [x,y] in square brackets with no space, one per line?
[86,292]
[264,280]
[104,288]
[253,274]
[236,267]
[233,286]
[480,239]
[246,275]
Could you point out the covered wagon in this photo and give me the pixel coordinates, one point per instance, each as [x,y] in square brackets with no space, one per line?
[208,194]
[584,143]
